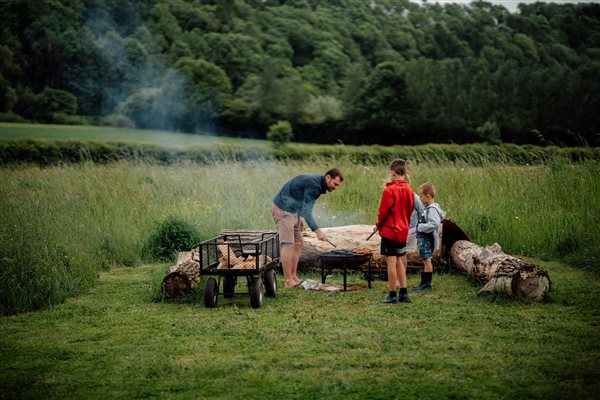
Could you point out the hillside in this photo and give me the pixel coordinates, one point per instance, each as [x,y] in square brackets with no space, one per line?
[384,71]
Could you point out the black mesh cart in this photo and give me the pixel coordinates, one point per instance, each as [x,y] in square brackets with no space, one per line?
[226,258]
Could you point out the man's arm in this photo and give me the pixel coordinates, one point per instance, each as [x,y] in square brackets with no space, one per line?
[308,202]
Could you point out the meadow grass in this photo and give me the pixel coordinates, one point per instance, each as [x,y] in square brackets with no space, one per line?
[63,224]
[115,342]
[113,134]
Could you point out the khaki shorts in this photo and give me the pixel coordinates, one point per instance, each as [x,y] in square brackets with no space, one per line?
[289,225]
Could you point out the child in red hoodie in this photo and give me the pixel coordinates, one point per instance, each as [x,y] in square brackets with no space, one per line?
[393,219]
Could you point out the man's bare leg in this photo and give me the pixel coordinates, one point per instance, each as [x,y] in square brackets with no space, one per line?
[287,260]
[295,260]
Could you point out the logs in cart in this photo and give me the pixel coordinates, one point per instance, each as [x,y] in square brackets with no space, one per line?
[502,273]
[185,274]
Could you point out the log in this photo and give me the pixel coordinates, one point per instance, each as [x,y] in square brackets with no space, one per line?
[183,276]
[502,273]
[354,236]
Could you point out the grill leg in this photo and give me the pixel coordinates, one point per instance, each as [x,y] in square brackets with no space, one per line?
[369,276]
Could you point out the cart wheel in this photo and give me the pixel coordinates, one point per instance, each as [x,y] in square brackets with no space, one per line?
[228,286]
[256,293]
[270,283]
[211,290]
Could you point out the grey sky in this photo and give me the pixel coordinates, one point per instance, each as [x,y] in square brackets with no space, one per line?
[510,5]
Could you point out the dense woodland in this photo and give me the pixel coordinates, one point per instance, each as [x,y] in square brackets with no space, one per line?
[355,71]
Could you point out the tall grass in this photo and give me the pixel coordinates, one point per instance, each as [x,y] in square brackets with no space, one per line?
[63,224]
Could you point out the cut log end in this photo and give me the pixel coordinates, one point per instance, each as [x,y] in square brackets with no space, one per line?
[176,285]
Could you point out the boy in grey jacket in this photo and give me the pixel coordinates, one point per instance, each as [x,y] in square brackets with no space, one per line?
[428,232]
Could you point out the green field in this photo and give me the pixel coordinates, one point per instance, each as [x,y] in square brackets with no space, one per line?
[116,343]
[89,323]
[111,134]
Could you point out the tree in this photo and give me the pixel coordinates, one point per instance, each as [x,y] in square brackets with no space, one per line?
[280,133]
[381,106]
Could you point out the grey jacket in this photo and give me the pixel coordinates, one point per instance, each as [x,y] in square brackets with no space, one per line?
[433,216]
[299,194]
[419,208]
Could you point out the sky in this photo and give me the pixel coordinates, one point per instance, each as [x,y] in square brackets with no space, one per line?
[511,5]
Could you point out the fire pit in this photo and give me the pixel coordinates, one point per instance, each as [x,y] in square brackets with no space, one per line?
[344,259]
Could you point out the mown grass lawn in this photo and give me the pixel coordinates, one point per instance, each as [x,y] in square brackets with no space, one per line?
[115,342]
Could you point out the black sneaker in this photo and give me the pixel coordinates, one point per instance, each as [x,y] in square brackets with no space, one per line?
[391,300]
[422,286]
[404,299]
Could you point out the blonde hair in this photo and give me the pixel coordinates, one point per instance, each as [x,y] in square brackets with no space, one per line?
[427,189]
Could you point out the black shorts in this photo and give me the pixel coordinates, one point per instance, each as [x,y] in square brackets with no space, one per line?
[391,248]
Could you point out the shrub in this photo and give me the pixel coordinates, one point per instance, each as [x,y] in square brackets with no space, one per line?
[489,132]
[171,236]
[118,120]
[280,133]
[58,101]
[11,117]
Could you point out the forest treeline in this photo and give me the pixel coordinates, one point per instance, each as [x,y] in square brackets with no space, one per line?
[352,71]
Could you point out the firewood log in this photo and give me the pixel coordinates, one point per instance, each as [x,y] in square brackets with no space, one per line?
[183,276]
[501,272]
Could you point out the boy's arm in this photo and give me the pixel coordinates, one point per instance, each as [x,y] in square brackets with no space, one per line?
[385,206]
[432,221]
[418,210]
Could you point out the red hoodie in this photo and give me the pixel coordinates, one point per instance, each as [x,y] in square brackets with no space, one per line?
[396,207]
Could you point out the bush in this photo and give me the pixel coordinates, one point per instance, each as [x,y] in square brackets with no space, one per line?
[11,117]
[58,101]
[489,132]
[67,119]
[171,236]
[118,120]
[280,133]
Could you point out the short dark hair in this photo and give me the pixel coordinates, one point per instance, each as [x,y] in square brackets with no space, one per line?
[334,173]
[398,166]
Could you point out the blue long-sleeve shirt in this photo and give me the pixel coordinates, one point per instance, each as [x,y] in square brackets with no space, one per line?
[299,194]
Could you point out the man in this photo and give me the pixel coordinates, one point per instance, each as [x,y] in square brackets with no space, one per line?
[292,206]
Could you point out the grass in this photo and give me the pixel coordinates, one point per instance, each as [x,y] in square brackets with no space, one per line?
[63,224]
[116,343]
[112,134]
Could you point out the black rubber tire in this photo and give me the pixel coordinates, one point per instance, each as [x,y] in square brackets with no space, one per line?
[211,292]
[270,283]
[228,286]
[256,293]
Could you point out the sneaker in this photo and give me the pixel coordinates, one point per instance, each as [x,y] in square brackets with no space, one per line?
[404,299]
[390,300]
[422,286]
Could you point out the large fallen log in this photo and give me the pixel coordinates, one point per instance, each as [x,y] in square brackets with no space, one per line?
[355,236]
[502,273]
